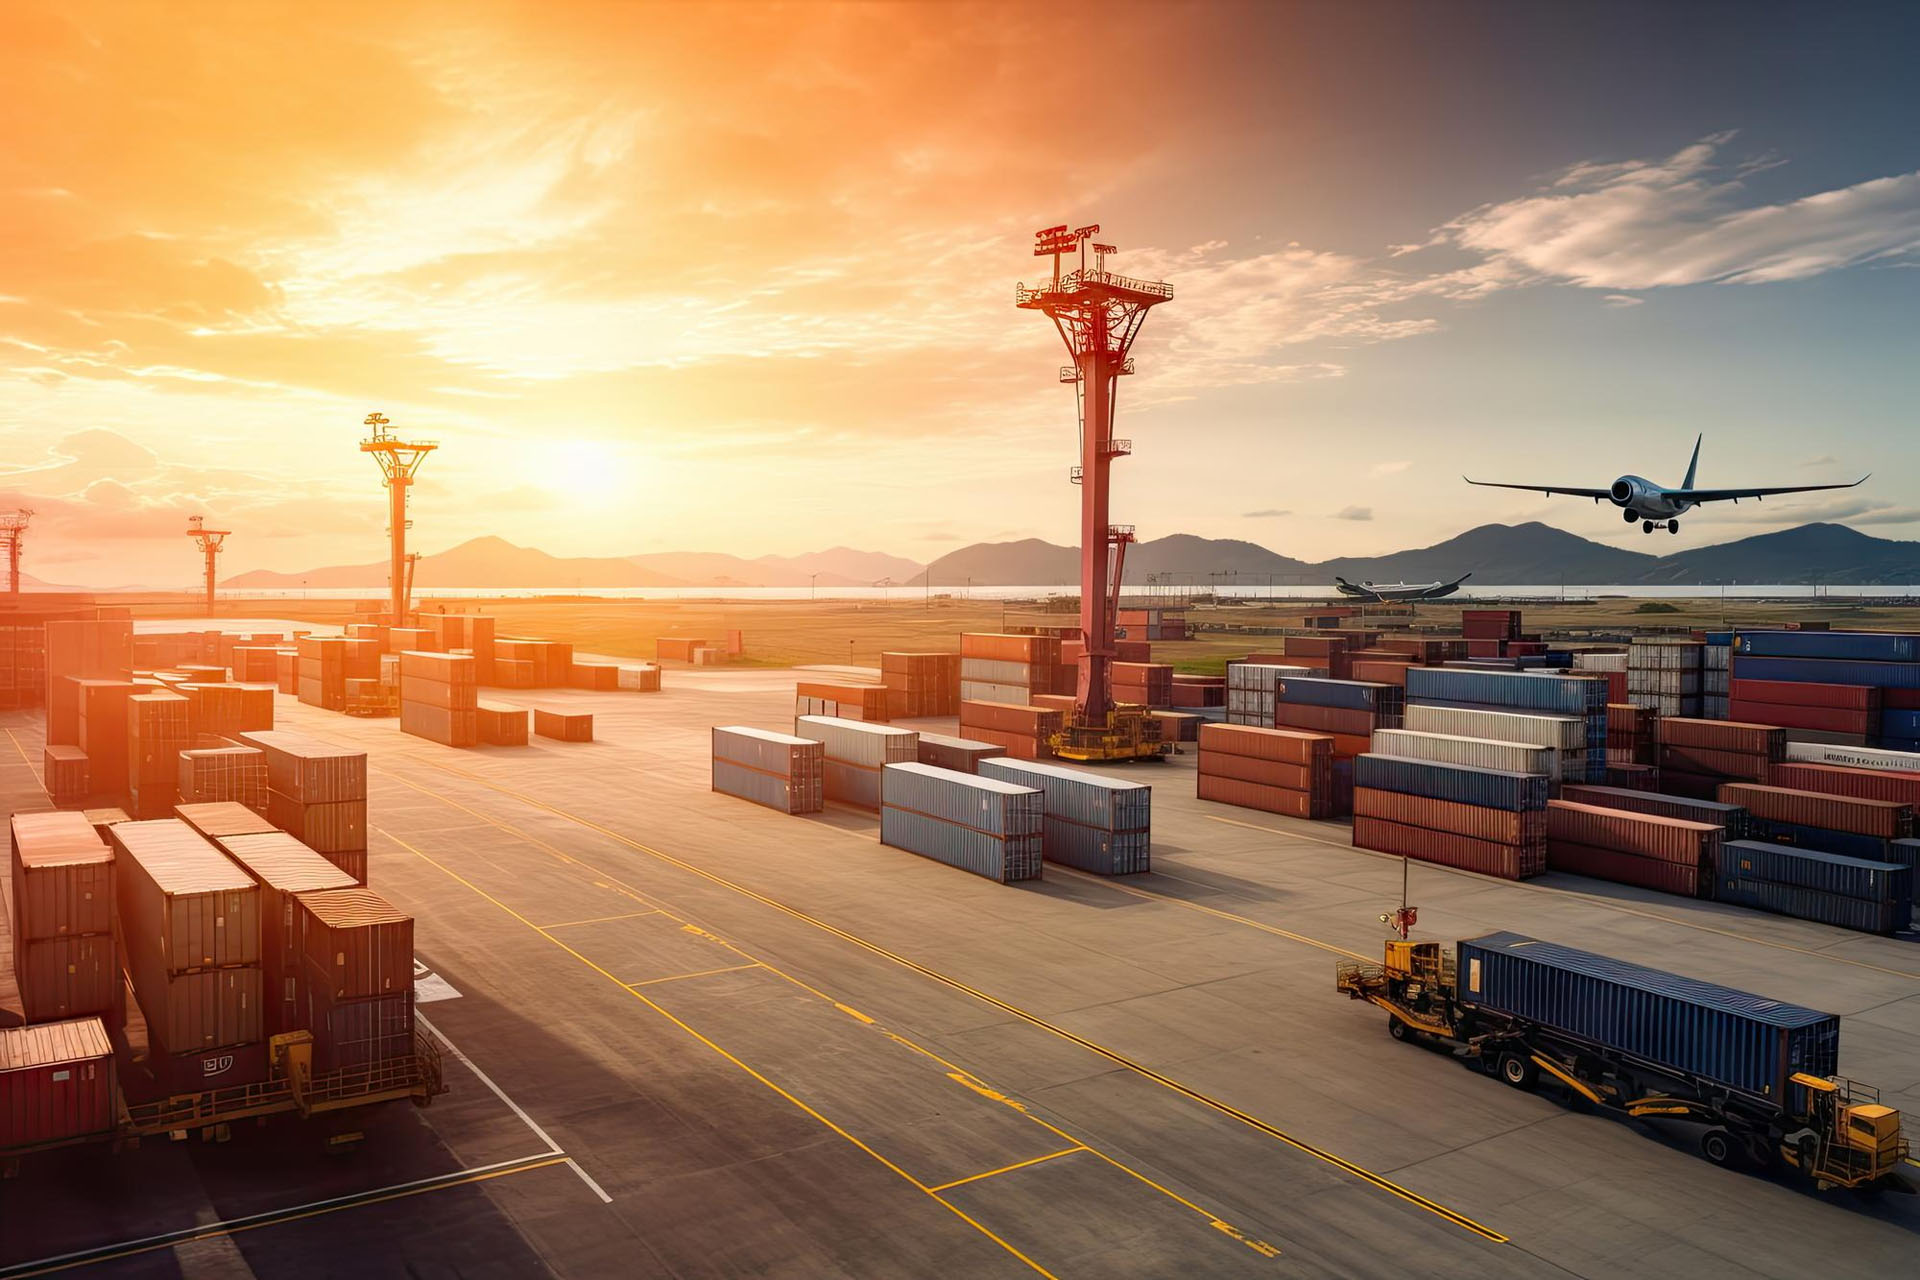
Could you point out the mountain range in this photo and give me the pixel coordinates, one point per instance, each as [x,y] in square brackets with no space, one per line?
[1531,554]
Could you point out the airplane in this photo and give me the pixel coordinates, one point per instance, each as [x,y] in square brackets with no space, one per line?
[1653,504]
[1384,592]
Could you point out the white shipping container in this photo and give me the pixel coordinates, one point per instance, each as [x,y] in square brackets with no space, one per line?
[1854,757]
[994,671]
[1566,733]
[1599,662]
[856,742]
[1263,677]
[1665,681]
[1480,753]
[1666,655]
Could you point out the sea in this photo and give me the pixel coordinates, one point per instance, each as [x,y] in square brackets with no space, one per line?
[1136,595]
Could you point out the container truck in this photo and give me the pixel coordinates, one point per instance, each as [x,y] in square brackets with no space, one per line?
[1759,1077]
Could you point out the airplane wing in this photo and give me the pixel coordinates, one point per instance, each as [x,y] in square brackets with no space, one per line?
[1724,495]
[1548,489]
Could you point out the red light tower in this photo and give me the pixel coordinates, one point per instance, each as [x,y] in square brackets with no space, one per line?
[1097,314]
[210,541]
[13,531]
[398,461]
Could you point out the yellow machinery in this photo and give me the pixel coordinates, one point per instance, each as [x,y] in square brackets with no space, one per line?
[1131,733]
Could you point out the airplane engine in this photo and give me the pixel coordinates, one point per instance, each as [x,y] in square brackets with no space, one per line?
[1632,491]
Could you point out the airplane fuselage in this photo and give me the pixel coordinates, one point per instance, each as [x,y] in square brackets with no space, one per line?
[1641,499]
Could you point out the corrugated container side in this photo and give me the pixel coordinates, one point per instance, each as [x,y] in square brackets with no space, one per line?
[1509,862]
[356,943]
[1481,753]
[181,901]
[1811,904]
[1882,818]
[1621,867]
[1868,880]
[1500,826]
[1648,835]
[57,1083]
[1461,783]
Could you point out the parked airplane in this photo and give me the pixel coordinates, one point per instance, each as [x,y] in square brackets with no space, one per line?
[1652,504]
[1383,592]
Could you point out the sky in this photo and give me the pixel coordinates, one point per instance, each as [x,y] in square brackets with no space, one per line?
[740,278]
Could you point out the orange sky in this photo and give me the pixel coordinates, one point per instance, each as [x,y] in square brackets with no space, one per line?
[731,278]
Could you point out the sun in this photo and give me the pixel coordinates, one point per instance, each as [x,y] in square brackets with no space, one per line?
[587,473]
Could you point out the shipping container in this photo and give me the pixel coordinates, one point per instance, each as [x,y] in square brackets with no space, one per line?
[356,943]
[1873,880]
[1853,757]
[448,726]
[960,754]
[285,869]
[63,876]
[1481,753]
[1464,784]
[501,724]
[1689,880]
[1285,745]
[1509,862]
[1860,646]
[1498,826]
[1563,733]
[1882,818]
[1093,822]
[181,902]
[777,770]
[308,771]
[328,828]
[67,778]
[1722,735]
[358,1032]
[57,1083]
[1851,697]
[983,825]
[563,726]
[212,775]
[70,976]
[1696,844]
[1884,675]
[1311,804]
[1741,1041]
[1732,818]
[221,818]
[1811,904]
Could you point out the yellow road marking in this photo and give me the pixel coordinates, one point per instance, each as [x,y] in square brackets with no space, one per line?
[682,977]
[272,1219]
[631,915]
[1251,923]
[955,1072]
[32,768]
[1005,1168]
[1223,1108]
[1607,903]
[710,1044]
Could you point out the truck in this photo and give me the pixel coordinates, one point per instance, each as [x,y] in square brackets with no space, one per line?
[1758,1077]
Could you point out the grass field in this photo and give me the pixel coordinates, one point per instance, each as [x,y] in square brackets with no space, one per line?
[795,632]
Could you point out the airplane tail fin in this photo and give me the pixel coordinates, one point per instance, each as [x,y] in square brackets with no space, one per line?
[1693,465]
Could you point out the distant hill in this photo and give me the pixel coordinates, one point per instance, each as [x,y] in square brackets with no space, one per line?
[1826,553]
[838,567]
[1531,553]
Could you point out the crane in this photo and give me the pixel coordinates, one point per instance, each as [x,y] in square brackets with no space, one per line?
[210,541]
[13,531]
[398,460]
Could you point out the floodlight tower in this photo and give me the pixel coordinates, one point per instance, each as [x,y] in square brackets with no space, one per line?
[1097,314]
[398,460]
[13,531]
[210,541]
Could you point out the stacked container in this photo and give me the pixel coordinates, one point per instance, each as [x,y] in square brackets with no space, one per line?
[778,770]
[1670,854]
[920,684]
[284,868]
[1006,668]
[1251,686]
[1715,675]
[64,955]
[1844,712]
[853,754]
[190,921]
[318,794]
[1730,818]
[1871,895]
[1527,692]
[1285,771]
[218,819]
[1143,684]
[841,701]
[440,697]
[1665,674]
[983,825]
[1886,662]
[210,775]
[1199,691]
[1481,753]
[1901,787]
[1564,736]
[1457,815]
[1025,731]
[1095,823]
[963,755]
[1632,735]
[1612,666]
[1696,755]
[1837,824]
[321,671]
[102,733]
[158,730]
[357,952]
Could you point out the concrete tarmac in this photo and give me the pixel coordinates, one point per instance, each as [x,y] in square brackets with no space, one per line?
[705,1039]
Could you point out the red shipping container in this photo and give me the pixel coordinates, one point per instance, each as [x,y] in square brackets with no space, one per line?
[1644,834]
[1036,651]
[1315,646]
[1133,651]
[63,876]
[512,673]
[1380,671]
[1272,773]
[1507,861]
[1853,697]
[1622,867]
[357,943]
[57,1082]
[1714,764]
[1479,648]
[1343,720]
[448,726]
[1722,735]
[447,668]
[563,726]
[1021,746]
[1010,717]
[1287,745]
[1816,719]
[1626,718]
[420,692]
[1498,826]
[1178,726]
[597,676]
[1883,818]
[1254,795]
[1839,780]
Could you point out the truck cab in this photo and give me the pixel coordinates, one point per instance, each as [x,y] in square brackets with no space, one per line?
[1848,1139]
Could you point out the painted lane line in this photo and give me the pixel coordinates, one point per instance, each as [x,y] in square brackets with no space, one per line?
[1005,1168]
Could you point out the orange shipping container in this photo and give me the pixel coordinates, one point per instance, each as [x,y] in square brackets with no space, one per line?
[1288,745]
[1254,795]
[563,726]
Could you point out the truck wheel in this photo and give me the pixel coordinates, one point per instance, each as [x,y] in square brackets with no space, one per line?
[1518,1071]
[1399,1030]
[1718,1146]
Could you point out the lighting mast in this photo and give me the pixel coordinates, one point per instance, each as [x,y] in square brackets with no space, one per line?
[398,460]
[1097,315]
[210,542]
[13,531]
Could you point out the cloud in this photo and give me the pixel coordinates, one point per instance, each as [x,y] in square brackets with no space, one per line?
[1622,300]
[1271,513]
[1393,468]
[1823,460]
[1687,219]
[1354,513]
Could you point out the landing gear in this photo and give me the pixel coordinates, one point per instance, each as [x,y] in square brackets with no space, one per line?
[1631,515]
[1673,526]
[1646,526]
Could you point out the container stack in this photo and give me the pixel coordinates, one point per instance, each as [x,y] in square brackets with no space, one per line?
[317,794]
[1152,624]
[1871,895]
[1612,666]
[255,664]
[1350,710]
[209,775]
[357,950]
[1886,662]
[1006,668]
[64,955]
[1098,824]
[919,685]
[1143,684]
[1488,632]
[1526,692]
[1285,771]
[841,701]
[1564,736]
[1455,815]
[1836,824]
[1250,690]
[962,755]
[1837,713]
[853,754]
[1730,818]
[778,770]
[284,868]
[1715,674]
[1025,731]
[190,922]
[102,734]
[1664,674]
[984,825]
[1696,755]
[1199,691]
[1480,753]
[322,671]
[216,820]
[1902,786]
[440,697]
[158,730]
[1673,855]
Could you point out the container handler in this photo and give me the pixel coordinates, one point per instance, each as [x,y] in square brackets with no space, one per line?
[1823,1126]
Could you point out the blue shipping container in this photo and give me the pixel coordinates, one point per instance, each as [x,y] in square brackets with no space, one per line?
[1463,784]
[1352,695]
[1872,848]
[1743,1041]
[1566,695]
[1887,675]
[1900,724]
[1811,904]
[1870,880]
[1852,646]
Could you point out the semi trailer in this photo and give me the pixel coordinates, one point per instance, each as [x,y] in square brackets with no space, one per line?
[1760,1078]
